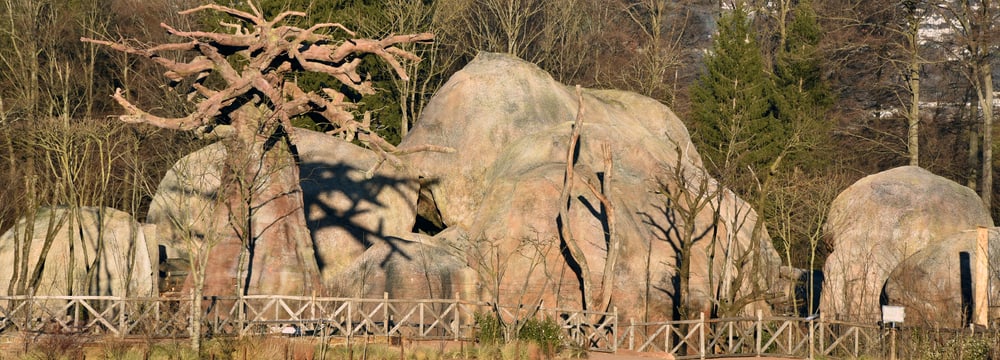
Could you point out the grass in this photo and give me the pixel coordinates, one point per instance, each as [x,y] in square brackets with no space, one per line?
[64,347]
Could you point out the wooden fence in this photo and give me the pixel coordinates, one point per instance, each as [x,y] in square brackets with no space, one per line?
[438,319]
[754,336]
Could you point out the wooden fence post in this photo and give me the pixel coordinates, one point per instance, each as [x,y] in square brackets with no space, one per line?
[812,338]
[385,314]
[350,321]
[701,334]
[121,317]
[822,335]
[631,335]
[457,323]
[760,332]
[614,331]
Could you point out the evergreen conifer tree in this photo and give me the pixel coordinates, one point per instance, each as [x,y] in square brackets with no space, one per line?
[732,107]
[801,95]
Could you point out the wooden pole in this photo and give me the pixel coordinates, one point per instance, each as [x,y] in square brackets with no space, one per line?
[892,343]
[980,300]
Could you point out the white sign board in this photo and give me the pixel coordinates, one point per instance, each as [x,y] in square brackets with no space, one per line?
[893,314]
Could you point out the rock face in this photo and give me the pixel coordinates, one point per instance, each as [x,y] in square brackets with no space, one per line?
[498,193]
[414,268]
[346,211]
[935,285]
[881,220]
[120,266]
[490,208]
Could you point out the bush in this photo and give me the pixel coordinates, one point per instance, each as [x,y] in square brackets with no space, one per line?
[545,333]
[490,329]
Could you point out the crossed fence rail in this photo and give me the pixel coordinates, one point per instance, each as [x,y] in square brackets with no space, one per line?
[432,319]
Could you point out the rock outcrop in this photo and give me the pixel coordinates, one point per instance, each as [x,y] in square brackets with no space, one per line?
[881,220]
[102,251]
[498,193]
[935,285]
[490,208]
[347,209]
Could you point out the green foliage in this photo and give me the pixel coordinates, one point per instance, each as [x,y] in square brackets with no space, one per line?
[732,103]
[802,96]
[546,333]
[490,328]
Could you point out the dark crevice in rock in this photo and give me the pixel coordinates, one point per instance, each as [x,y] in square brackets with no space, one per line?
[428,219]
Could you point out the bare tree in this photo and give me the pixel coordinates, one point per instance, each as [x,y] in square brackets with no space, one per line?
[977,39]
[243,85]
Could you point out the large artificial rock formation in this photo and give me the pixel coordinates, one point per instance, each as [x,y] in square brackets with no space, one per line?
[348,209]
[498,194]
[490,208]
[102,251]
[936,286]
[881,220]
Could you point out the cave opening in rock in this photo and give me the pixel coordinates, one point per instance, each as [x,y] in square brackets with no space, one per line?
[428,219]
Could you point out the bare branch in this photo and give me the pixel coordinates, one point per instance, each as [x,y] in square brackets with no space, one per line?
[235,40]
[137,116]
[256,20]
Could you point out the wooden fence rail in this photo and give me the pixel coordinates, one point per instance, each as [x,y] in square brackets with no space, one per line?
[438,319]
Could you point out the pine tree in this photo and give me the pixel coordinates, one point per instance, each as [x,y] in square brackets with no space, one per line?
[801,95]
[732,106]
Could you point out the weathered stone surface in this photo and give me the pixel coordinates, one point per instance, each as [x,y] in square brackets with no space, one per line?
[413,266]
[107,241]
[497,100]
[346,211]
[882,219]
[185,199]
[510,124]
[931,283]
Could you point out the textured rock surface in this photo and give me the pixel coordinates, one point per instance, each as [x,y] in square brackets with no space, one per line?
[496,200]
[882,219]
[411,267]
[121,267]
[931,283]
[345,210]
[510,124]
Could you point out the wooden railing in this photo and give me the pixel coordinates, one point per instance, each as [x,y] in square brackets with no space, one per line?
[438,319]
[773,336]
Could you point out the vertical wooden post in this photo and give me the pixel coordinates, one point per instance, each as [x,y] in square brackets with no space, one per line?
[812,338]
[892,343]
[350,321]
[631,335]
[701,334]
[457,324]
[121,317]
[980,285]
[760,331]
[668,341]
[385,314]
[614,332]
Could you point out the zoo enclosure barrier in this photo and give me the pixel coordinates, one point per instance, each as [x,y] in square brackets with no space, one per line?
[432,319]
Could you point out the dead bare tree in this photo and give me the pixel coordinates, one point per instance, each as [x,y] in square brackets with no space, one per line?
[244,89]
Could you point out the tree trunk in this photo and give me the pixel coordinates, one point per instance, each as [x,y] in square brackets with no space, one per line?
[985,90]
[913,134]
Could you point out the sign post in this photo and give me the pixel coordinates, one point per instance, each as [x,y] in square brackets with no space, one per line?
[892,316]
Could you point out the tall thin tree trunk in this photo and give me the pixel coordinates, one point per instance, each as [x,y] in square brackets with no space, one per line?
[913,134]
[985,89]
[974,134]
